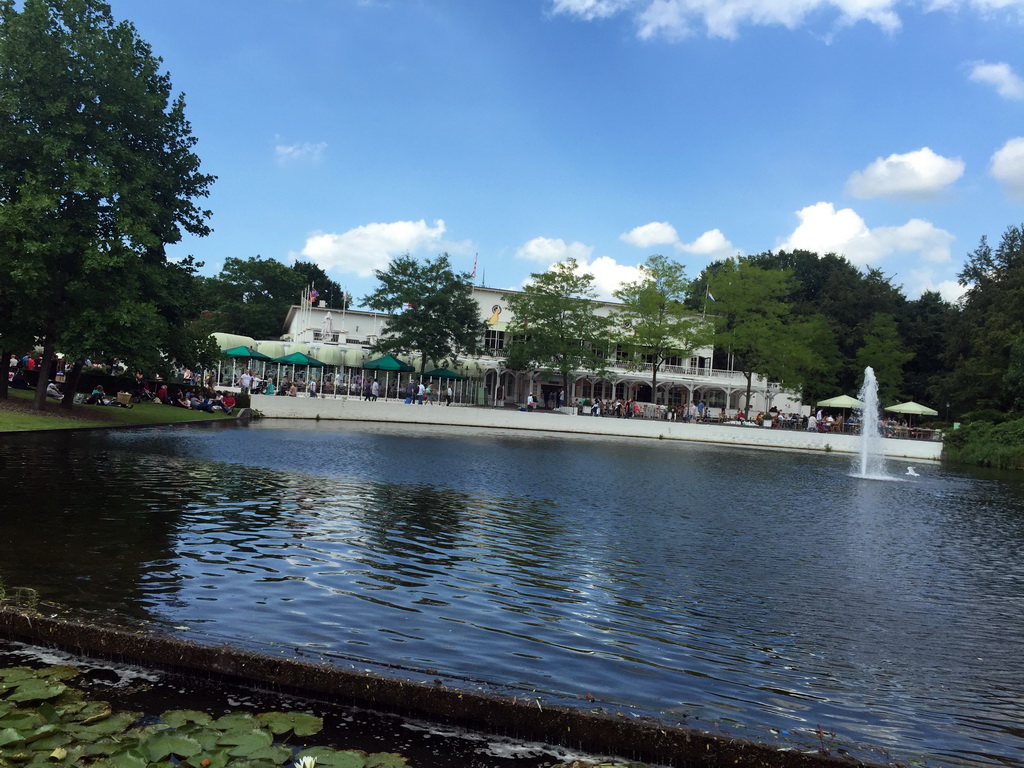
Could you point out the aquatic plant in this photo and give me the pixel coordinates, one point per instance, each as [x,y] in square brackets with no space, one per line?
[45,721]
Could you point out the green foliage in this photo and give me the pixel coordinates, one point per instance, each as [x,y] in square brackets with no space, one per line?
[44,721]
[980,348]
[251,297]
[330,292]
[990,415]
[986,444]
[654,324]
[754,321]
[555,325]
[882,349]
[97,175]
[433,310]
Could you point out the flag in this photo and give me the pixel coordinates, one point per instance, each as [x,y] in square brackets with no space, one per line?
[710,296]
[314,294]
[474,265]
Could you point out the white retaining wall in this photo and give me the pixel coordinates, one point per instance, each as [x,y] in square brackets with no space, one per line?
[396,411]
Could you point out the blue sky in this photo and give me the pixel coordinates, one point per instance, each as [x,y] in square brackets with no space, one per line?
[348,132]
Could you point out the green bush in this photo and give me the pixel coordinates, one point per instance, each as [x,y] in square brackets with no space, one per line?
[990,415]
[987,444]
[243,400]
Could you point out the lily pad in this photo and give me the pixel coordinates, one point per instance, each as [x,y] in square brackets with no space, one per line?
[334,758]
[236,721]
[9,736]
[127,759]
[35,689]
[276,753]
[281,722]
[17,674]
[167,743]
[178,718]
[244,745]
[385,760]
[60,672]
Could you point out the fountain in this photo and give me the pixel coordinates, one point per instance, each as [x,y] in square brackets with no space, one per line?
[871,455]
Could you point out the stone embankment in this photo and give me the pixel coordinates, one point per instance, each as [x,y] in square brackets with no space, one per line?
[396,411]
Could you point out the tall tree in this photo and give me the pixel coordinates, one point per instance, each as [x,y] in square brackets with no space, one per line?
[654,325]
[925,325]
[97,172]
[555,325]
[990,322]
[330,291]
[883,350]
[432,307]
[251,296]
[754,322]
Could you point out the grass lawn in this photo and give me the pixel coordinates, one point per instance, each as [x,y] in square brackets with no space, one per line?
[16,414]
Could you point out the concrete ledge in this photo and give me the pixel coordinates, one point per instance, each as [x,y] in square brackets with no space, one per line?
[617,734]
[397,412]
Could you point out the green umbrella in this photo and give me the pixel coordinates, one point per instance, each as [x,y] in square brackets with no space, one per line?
[388,363]
[298,358]
[245,352]
[842,401]
[444,373]
[912,409]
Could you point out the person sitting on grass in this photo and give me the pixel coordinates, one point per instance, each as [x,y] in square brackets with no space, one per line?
[52,390]
[179,400]
[227,403]
[99,397]
[18,382]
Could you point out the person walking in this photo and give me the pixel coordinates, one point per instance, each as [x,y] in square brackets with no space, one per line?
[448,395]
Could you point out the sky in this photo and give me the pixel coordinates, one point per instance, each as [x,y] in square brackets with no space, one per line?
[514,133]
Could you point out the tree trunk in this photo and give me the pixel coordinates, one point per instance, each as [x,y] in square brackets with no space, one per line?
[44,374]
[71,385]
[654,383]
[6,355]
[749,376]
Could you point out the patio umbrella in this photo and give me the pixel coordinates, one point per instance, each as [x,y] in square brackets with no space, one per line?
[246,352]
[388,363]
[444,373]
[298,358]
[842,401]
[912,409]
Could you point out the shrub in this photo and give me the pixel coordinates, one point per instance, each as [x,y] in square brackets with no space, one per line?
[243,400]
[988,445]
[990,415]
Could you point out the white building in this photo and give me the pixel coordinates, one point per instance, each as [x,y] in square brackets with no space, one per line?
[342,338]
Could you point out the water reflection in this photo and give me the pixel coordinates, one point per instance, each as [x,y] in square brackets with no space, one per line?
[720,586]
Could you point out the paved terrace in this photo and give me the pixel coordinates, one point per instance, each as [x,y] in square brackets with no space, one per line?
[396,411]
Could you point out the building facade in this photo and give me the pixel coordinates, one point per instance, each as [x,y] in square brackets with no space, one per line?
[342,340]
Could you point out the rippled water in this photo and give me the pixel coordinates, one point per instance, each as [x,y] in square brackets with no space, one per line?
[723,588]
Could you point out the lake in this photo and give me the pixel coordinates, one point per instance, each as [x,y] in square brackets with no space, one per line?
[758,593]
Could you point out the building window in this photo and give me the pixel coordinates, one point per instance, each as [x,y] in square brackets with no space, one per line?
[494,339]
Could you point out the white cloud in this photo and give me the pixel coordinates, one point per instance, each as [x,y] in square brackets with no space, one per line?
[676,19]
[590,9]
[655,233]
[823,229]
[367,248]
[1007,167]
[712,243]
[920,280]
[920,174]
[608,275]
[1007,83]
[547,250]
[303,152]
